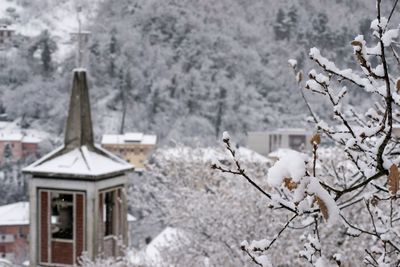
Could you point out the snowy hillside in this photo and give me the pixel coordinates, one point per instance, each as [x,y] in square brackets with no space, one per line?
[184,71]
[30,18]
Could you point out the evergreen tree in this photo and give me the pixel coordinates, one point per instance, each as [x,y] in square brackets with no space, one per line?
[46,54]
[113,49]
[281,26]
[220,111]
[7,153]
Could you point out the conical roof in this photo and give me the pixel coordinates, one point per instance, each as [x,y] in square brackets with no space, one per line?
[79,157]
[78,131]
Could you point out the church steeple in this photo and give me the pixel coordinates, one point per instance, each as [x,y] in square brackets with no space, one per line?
[79,157]
[77,193]
[79,130]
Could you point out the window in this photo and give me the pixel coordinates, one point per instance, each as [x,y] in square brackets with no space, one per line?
[108,213]
[21,232]
[62,215]
[297,141]
[275,142]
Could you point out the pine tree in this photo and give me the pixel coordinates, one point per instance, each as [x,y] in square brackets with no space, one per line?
[47,46]
[281,27]
[113,49]
[220,110]
[7,153]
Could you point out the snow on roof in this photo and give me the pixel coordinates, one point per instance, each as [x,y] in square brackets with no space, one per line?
[4,136]
[11,131]
[140,138]
[6,28]
[4,124]
[11,136]
[135,137]
[14,214]
[31,139]
[80,162]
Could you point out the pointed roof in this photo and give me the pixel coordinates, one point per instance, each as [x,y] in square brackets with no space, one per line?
[79,157]
[79,130]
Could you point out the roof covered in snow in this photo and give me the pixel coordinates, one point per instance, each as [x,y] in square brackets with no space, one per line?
[79,162]
[79,157]
[14,214]
[17,136]
[12,131]
[129,138]
[4,27]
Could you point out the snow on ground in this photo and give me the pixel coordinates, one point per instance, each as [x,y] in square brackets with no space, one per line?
[211,154]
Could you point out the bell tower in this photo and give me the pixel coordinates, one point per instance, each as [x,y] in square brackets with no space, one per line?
[77,193]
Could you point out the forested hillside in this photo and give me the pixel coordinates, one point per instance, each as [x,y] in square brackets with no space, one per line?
[180,69]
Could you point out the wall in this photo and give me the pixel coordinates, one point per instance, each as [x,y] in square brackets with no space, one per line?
[15,242]
[19,149]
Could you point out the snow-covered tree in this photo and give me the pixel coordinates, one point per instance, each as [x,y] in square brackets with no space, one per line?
[359,195]
[213,212]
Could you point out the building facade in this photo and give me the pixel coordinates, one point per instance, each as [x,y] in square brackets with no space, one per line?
[16,146]
[14,232]
[77,193]
[135,148]
[269,141]
[6,34]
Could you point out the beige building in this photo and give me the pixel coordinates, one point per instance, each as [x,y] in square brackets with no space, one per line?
[133,147]
[270,141]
